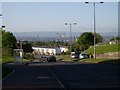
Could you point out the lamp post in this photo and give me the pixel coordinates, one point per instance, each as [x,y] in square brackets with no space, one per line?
[94,25]
[3,27]
[70,24]
[0,21]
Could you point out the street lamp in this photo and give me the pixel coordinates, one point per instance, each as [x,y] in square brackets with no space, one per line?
[70,24]
[94,24]
[3,27]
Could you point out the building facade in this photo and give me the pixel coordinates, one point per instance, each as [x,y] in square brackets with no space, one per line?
[49,50]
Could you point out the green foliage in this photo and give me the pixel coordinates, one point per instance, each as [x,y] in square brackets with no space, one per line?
[86,39]
[49,43]
[99,38]
[102,61]
[8,43]
[66,58]
[76,47]
[0,38]
[28,56]
[8,40]
[111,61]
[27,48]
[7,59]
[115,38]
[7,51]
[103,49]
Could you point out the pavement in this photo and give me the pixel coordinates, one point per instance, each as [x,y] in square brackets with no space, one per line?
[62,75]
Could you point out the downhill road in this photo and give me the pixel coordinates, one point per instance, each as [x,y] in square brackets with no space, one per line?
[62,75]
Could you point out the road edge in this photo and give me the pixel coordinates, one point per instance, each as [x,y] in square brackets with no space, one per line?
[9,75]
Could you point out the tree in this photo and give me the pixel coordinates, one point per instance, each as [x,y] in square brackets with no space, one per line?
[76,47]
[27,47]
[115,38]
[86,39]
[8,40]
[99,38]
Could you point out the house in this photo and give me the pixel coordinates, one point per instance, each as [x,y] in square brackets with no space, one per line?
[49,50]
[115,42]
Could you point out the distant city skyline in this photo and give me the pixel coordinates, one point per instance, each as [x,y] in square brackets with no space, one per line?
[51,16]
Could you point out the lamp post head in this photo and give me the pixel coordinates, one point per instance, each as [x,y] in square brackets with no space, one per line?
[75,23]
[86,2]
[101,2]
[3,27]
[94,2]
[66,23]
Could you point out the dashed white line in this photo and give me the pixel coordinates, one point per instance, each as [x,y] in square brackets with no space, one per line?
[56,77]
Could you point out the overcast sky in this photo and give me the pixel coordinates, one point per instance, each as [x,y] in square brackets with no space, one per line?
[51,16]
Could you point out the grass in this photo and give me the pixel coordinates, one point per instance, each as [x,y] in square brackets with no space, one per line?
[7,59]
[104,49]
[26,61]
[10,59]
[105,61]
[91,60]
[66,58]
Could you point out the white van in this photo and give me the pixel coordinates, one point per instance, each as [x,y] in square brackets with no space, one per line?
[72,54]
[81,56]
[75,54]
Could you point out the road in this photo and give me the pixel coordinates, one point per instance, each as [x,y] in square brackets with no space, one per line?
[65,75]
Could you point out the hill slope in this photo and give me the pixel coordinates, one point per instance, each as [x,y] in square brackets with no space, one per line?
[103,49]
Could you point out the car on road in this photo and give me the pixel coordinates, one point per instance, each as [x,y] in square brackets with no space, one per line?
[75,54]
[48,59]
[81,56]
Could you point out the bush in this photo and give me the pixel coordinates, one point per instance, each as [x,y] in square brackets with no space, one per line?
[28,56]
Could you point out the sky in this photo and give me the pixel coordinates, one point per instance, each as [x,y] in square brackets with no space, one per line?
[52,16]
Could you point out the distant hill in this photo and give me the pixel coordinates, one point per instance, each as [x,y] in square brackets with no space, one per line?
[53,35]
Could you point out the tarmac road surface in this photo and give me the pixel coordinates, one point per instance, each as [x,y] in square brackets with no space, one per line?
[61,75]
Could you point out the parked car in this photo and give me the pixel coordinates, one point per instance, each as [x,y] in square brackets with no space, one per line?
[48,59]
[75,55]
[51,59]
[81,56]
[72,54]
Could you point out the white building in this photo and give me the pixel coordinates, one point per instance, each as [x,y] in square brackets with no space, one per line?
[63,49]
[49,51]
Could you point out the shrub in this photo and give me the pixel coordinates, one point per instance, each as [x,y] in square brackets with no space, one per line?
[28,56]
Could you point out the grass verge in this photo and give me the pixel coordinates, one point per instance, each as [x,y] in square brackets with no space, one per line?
[90,60]
[10,59]
[66,58]
[105,61]
[7,59]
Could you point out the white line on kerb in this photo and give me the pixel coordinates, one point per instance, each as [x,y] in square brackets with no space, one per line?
[9,75]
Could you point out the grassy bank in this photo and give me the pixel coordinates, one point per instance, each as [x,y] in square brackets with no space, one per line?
[104,49]
[105,61]
[91,60]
